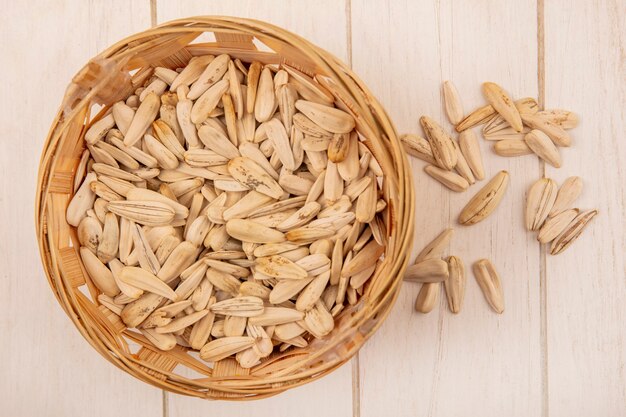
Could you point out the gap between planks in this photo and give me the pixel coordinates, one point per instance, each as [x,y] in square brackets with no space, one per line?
[543,289]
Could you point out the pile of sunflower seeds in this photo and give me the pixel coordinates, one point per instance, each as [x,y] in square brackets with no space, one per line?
[228,208]
[518,128]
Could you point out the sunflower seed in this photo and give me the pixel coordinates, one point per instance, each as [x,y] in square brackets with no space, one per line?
[490,284]
[142,279]
[455,284]
[427,297]
[245,306]
[428,270]
[539,202]
[149,213]
[571,188]
[564,118]
[442,145]
[144,116]
[99,273]
[555,132]
[224,347]
[485,201]
[452,101]
[328,118]
[543,147]
[554,226]
[503,104]
[249,173]
[418,147]
[478,116]
[511,147]
[265,101]
[468,144]
[451,180]
[211,75]
[571,232]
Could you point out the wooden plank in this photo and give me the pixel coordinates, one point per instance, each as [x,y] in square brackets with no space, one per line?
[49,368]
[324,24]
[586,284]
[441,364]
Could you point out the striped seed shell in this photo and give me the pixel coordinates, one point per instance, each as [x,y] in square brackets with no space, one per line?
[418,147]
[224,347]
[304,215]
[571,232]
[564,118]
[99,129]
[328,118]
[490,284]
[454,285]
[569,191]
[539,202]
[478,116]
[249,173]
[442,145]
[149,213]
[278,266]
[503,104]
[244,306]
[486,200]
[211,75]
[554,226]
[216,141]
[195,67]
[543,147]
[555,132]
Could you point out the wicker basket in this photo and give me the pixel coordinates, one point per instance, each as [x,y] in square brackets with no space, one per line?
[113,75]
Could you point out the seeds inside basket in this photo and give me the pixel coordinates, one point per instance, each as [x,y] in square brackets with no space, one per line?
[241,209]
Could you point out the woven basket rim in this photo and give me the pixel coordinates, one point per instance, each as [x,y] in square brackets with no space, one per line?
[64,269]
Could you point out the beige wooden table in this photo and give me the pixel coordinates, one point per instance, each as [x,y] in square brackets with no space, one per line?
[559,349]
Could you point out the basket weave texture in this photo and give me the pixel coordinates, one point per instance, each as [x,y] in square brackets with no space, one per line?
[113,75]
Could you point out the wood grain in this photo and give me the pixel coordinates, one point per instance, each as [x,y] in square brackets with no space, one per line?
[447,364]
[569,361]
[324,23]
[585,72]
[49,369]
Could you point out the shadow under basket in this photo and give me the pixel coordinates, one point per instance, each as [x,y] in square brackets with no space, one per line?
[112,76]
